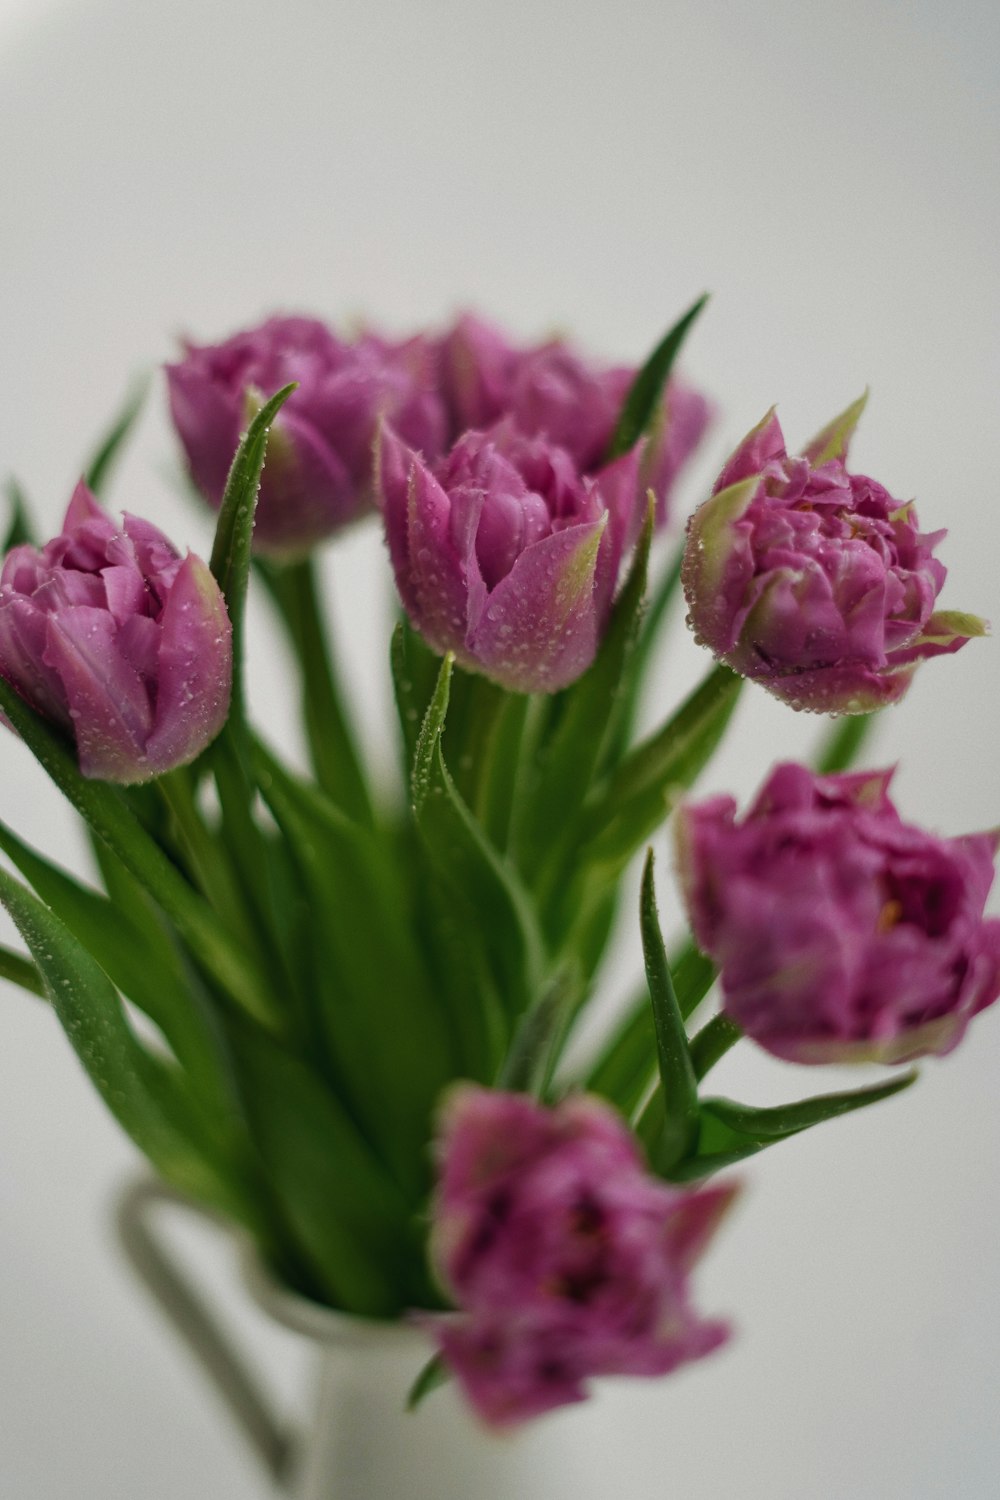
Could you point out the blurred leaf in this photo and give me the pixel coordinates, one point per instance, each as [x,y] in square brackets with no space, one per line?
[296,591]
[98,470]
[17,969]
[145,1095]
[647,389]
[386,1030]
[19,528]
[106,811]
[434,1374]
[843,743]
[415,671]
[349,1219]
[141,961]
[677,1128]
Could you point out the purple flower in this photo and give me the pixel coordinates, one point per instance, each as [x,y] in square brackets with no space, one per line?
[504,555]
[814,581]
[550,391]
[317,477]
[565,1257]
[841,932]
[110,633]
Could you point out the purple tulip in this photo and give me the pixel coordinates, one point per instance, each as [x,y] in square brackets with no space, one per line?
[841,932]
[111,634]
[550,391]
[565,1257]
[504,555]
[814,581]
[318,475]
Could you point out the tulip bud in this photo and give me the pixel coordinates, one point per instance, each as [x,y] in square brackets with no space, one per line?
[504,555]
[565,1257]
[317,476]
[841,932]
[814,581]
[111,634]
[548,390]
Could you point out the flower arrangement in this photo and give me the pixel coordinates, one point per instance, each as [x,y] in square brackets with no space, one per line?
[358,1001]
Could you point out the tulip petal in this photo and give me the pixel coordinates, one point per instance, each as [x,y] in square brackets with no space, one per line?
[761,445]
[108,702]
[438,578]
[195,669]
[540,629]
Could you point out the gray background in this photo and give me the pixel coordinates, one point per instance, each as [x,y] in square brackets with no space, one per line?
[830,173]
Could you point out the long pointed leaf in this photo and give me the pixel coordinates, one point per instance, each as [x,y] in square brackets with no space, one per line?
[646,391]
[482,883]
[678,1129]
[143,1093]
[107,813]
[19,528]
[99,469]
[230,561]
[17,969]
[730,1133]
[141,960]
[654,775]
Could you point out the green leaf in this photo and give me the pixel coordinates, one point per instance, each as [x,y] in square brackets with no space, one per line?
[141,960]
[349,1220]
[588,720]
[624,1070]
[530,1060]
[19,529]
[501,919]
[650,779]
[712,1043]
[230,561]
[731,1132]
[295,589]
[144,1094]
[386,1030]
[647,389]
[106,811]
[112,445]
[415,671]
[17,969]
[677,1129]
[843,742]
[653,615]
[434,1374]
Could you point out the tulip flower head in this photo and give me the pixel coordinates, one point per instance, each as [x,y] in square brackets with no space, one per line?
[814,581]
[549,390]
[841,932]
[109,633]
[504,554]
[565,1257]
[318,477]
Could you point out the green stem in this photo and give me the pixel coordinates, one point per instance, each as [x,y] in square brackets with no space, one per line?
[332,746]
[843,743]
[712,1042]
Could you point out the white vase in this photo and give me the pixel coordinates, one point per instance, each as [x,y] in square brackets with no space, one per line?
[360,1442]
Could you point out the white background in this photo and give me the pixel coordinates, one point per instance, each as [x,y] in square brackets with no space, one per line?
[830,173]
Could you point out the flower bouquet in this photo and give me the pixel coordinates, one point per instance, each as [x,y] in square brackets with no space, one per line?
[345,1016]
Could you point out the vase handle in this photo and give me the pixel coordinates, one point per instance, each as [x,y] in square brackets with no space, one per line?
[168,1283]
